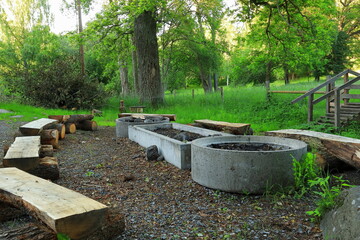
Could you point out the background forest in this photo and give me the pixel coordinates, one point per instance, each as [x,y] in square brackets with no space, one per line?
[144,48]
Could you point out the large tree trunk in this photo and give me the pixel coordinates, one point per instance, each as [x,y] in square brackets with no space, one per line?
[135,72]
[216,82]
[286,75]
[81,47]
[125,90]
[148,58]
[267,80]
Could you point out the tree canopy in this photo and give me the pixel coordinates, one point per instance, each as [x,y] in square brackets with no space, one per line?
[145,47]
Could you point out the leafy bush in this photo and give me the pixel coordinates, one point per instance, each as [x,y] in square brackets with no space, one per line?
[62,85]
[45,70]
[310,178]
[328,194]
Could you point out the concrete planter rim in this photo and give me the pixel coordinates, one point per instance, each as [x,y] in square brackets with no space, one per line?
[203,143]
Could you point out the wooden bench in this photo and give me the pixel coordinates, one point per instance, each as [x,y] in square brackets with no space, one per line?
[172,117]
[233,128]
[61,209]
[35,127]
[327,146]
[137,109]
[23,153]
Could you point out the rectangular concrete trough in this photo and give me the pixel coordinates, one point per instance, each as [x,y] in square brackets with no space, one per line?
[174,151]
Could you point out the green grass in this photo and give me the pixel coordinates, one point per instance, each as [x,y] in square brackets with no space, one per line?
[240,104]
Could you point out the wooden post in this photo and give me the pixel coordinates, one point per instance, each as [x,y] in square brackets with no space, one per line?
[121,107]
[310,107]
[337,109]
[222,93]
[193,93]
[328,99]
[346,91]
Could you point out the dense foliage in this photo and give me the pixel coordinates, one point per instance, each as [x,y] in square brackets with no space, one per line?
[193,43]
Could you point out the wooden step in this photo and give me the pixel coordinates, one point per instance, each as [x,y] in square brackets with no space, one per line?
[348,105]
[23,153]
[332,118]
[35,127]
[61,209]
[347,110]
[342,114]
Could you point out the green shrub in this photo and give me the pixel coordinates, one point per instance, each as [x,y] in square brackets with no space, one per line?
[328,194]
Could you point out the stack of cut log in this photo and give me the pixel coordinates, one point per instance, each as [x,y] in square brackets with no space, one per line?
[78,121]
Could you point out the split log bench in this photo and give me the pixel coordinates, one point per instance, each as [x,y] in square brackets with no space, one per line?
[61,209]
[35,127]
[233,128]
[26,153]
[331,149]
[23,153]
[50,131]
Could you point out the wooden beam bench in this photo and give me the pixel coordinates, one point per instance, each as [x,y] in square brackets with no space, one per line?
[62,210]
[330,148]
[23,153]
[137,109]
[172,117]
[35,127]
[233,128]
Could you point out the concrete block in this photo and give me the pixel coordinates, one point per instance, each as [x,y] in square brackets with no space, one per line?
[175,152]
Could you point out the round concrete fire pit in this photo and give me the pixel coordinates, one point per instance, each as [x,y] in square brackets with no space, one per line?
[264,162]
[123,123]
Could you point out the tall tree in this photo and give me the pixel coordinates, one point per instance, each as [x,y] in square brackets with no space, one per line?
[147,52]
[290,33]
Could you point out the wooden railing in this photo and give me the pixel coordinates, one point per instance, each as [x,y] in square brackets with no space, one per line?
[332,94]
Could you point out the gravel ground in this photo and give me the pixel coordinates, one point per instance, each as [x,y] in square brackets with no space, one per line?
[160,201]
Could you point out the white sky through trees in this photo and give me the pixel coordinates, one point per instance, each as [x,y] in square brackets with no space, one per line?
[66,20]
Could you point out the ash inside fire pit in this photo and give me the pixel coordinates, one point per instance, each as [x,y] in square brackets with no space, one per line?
[180,135]
[249,146]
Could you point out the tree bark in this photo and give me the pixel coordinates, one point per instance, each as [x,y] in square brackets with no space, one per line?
[216,82]
[147,51]
[81,47]
[124,79]
[50,137]
[48,168]
[58,126]
[46,151]
[267,80]
[70,128]
[87,125]
[79,118]
[330,148]
[135,73]
[286,75]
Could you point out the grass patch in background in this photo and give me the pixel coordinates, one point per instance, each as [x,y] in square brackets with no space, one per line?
[240,104]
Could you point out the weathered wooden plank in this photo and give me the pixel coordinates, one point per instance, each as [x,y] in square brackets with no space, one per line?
[234,128]
[351,96]
[63,210]
[23,153]
[297,92]
[353,87]
[172,117]
[343,148]
[34,128]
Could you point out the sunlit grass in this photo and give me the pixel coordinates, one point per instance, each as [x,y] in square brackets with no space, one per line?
[239,105]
